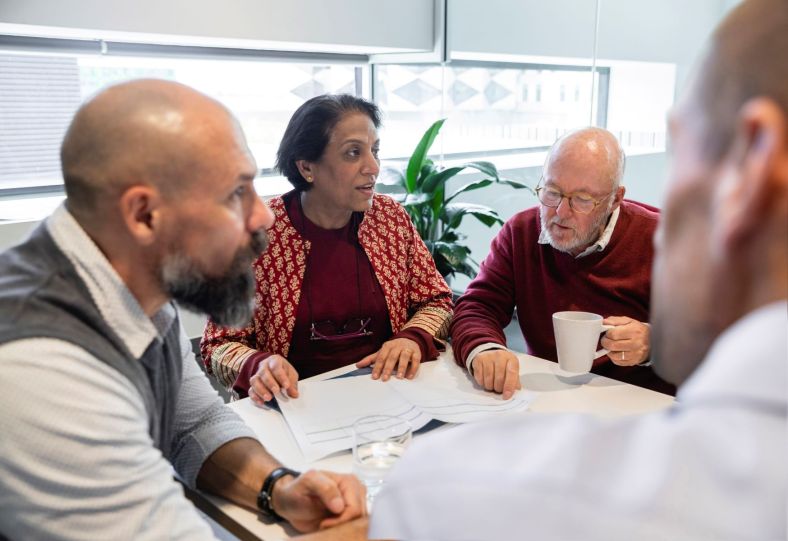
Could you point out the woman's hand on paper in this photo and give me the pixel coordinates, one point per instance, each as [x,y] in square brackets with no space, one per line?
[402,354]
[274,375]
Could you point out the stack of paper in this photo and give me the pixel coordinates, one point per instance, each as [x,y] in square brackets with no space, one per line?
[321,419]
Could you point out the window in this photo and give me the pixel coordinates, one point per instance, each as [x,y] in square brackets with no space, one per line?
[40,91]
[491,107]
[505,108]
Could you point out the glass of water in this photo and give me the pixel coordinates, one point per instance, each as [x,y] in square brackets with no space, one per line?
[378,442]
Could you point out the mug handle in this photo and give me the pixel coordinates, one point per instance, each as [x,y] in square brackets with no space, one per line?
[603,351]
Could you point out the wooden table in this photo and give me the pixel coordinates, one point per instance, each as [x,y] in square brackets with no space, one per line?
[558,391]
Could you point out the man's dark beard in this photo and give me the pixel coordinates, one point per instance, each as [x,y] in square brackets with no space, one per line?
[228,300]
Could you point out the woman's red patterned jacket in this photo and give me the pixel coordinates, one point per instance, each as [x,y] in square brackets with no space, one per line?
[416,294]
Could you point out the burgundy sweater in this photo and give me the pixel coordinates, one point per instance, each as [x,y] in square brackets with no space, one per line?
[539,280]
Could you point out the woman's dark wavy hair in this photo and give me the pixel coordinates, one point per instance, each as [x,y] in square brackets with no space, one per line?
[309,130]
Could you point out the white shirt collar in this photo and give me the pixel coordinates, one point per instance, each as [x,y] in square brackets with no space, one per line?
[748,360]
[115,302]
[600,244]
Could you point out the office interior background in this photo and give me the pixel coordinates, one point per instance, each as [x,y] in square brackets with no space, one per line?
[510,76]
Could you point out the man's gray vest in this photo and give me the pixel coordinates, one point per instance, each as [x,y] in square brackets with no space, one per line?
[42,296]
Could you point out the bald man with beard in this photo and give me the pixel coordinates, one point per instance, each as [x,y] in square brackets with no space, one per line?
[714,466]
[100,394]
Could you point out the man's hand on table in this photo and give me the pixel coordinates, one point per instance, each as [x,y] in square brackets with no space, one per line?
[274,374]
[497,370]
[319,499]
[628,343]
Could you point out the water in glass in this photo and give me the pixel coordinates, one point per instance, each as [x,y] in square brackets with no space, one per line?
[379,441]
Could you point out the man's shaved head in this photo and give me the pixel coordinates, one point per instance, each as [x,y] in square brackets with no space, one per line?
[161,178]
[139,132]
[592,143]
[747,58]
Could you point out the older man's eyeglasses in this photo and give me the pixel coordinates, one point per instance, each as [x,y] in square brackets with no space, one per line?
[578,202]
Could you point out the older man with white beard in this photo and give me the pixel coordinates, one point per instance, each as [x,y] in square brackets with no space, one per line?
[583,248]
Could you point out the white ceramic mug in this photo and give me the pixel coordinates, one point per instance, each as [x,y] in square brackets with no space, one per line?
[576,336]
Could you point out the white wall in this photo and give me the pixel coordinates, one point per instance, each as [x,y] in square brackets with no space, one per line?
[362,25]
[556,28]
[643,30]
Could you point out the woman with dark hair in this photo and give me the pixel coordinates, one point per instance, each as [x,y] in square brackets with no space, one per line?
[346,276]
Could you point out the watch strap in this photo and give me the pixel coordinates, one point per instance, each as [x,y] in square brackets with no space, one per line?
[264,498]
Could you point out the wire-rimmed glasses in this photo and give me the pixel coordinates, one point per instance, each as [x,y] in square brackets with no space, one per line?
[578,202]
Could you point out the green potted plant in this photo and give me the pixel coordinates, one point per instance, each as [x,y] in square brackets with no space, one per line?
[421,189]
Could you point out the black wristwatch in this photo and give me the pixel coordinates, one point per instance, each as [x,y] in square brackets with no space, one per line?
[264,503]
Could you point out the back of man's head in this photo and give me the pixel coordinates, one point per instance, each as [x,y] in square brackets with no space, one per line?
[747,57]
[723,243]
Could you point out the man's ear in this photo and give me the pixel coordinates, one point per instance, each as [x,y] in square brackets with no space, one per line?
[141,212]
[619,197]
[753,174]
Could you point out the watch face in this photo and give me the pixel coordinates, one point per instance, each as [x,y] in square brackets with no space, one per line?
[264,504]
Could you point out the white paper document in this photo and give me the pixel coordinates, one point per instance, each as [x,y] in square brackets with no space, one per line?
[321,418]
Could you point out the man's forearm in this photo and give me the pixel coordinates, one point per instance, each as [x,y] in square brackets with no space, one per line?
[236,471]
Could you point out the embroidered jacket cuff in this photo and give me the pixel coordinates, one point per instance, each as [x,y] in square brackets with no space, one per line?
[249,368]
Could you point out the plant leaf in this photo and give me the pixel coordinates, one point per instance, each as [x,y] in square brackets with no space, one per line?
[415,199]
[451,236]
[439,178]
[470,186]
[426,170]
[443,266]
[454,212]
[468,268]
[419,154]
[516,184]
[455,258]
[488,168]
[438,202]
[487,218]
